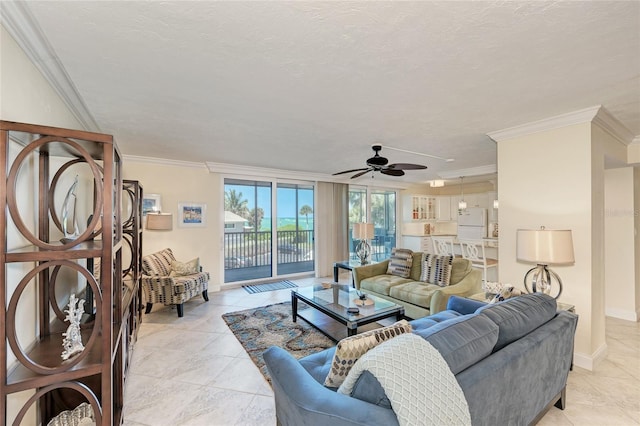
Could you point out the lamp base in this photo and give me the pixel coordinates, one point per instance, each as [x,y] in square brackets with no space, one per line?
[541,281]
[363,250]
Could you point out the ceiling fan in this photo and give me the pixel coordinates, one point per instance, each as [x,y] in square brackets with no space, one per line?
[380,164]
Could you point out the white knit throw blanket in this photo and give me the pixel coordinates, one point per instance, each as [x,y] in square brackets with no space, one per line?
[417,380]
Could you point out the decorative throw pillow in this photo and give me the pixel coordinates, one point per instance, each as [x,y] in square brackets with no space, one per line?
[348,350]
[400,262]
[436,269]
[507,292]
[180,269]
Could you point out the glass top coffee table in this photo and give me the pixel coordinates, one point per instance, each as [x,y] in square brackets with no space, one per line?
[334,302]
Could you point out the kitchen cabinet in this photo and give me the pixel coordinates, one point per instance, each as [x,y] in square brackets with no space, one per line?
[418,243]
[419,207]
[443,209]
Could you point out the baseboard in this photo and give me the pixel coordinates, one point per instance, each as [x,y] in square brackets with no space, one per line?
[590,362]
[623,314]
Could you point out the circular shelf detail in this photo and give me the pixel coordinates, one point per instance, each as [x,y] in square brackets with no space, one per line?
[12,336]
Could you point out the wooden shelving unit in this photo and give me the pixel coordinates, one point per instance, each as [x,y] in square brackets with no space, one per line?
[132,196]
[28,156]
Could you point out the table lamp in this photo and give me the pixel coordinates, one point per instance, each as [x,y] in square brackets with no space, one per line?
[544,247]
[363,232]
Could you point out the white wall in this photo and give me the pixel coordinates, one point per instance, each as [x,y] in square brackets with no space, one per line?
[620,267]
[556,178]
[545,180]
[178,183]
[25,96]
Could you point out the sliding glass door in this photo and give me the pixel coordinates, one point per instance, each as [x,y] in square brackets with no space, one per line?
[294,229]
[383,216]
[357,214]
[257,245]
[247,230]
[377,207]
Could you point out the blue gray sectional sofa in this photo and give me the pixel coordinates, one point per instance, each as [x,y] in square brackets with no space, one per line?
[511,360]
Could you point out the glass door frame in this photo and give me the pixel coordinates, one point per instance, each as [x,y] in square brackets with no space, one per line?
[274,181]
[369,190]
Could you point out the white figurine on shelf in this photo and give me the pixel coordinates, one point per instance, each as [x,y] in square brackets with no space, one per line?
[72,342]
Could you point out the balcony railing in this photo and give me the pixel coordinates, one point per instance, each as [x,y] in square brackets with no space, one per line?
[250,249]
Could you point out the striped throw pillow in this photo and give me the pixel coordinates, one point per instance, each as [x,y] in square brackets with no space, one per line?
[436,269]
[400,262]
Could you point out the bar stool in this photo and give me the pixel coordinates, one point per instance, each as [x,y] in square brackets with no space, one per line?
[443,246]
[474,250]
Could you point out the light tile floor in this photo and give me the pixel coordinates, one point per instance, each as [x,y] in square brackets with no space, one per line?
[193,371]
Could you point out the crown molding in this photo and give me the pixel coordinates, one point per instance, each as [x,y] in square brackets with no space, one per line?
[613,126]
[24,29]
[473,171]
[597,114]
[583,116]
[164,161]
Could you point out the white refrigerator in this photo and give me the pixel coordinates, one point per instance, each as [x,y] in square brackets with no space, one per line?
[472,223]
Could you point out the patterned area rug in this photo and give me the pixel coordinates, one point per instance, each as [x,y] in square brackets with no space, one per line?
[259,288]
[258,329]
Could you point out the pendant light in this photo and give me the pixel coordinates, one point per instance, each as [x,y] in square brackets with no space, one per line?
[462,204]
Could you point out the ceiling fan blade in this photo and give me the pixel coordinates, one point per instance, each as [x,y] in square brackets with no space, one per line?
[361,173]
[351,171]
[406,166]
[392,172]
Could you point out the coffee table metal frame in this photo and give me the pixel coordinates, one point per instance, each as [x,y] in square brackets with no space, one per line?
[338,312]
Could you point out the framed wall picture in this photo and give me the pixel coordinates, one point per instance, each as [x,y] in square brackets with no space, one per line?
[151,203]
[192,215]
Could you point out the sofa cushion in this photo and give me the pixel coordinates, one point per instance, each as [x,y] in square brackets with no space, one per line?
[382,284]
[350,349]
[462,341]
[460,268]
[431,320]
[400,262]
[416,266]
[414,292]
[319,364]
[368,388]
[436,269]
[519,316]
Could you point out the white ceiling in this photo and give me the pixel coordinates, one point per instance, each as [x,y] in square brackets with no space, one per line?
[309,86]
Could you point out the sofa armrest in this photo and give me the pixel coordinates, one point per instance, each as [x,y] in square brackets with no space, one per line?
[368,271]
[469,285]
[463,305]
[300,399]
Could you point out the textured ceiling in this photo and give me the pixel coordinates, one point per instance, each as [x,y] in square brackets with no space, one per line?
[309,86]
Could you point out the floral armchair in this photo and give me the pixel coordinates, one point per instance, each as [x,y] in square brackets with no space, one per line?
[170,282]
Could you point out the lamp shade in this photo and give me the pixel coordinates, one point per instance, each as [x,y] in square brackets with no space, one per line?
[159,221]
[362,231]
[545,247]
